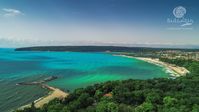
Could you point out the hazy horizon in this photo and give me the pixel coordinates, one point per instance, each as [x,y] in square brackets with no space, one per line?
[92,22]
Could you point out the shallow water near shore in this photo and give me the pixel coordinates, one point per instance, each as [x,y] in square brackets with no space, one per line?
[73,69]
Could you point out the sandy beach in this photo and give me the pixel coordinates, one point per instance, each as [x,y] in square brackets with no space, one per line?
[54,93]
[175,71]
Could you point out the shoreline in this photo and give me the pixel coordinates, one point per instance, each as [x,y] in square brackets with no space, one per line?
[173,70]
[52,94]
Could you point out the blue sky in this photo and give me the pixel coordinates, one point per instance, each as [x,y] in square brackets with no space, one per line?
[74,22]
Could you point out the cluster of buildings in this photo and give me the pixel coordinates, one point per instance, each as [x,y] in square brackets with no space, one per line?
[170,54]
[176,54]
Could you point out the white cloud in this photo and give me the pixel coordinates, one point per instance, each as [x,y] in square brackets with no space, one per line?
[11,12]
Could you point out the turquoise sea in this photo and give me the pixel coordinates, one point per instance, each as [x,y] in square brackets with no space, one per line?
[74,70]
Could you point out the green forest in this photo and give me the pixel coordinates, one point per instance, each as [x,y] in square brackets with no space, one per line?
[153,95]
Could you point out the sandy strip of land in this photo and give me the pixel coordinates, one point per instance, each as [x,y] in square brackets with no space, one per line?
[56,93]
[175,71]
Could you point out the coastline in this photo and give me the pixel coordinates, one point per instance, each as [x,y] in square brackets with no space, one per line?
[53,93]
[174,71]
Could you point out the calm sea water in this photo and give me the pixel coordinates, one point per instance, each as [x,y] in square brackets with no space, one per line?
[73,69]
